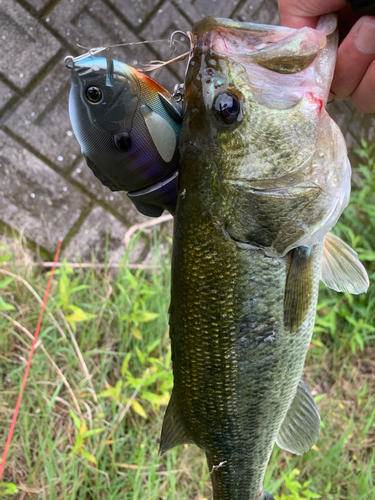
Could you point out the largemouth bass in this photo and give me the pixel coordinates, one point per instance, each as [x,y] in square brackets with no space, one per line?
[264,176]
[128,127]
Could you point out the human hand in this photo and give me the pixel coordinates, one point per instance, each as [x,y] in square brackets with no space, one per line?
[355,68]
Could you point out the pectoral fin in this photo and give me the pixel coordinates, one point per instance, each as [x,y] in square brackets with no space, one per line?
[301,427]
[161,133]
[173,431]
[298,290]
[341,269]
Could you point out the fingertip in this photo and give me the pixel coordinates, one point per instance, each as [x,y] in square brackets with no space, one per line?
[353,63]
[300,13]
[363,98]
[364,37]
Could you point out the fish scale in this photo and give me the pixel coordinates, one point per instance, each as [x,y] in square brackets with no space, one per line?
[232,350]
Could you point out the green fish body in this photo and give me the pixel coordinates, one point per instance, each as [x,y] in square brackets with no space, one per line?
[263,178]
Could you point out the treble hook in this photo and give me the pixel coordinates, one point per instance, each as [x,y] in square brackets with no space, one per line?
[172,44]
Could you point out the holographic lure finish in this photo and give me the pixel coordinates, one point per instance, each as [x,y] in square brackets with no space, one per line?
[128,127]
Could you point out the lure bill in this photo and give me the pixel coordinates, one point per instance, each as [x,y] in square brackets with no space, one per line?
[264,176]
[128,127]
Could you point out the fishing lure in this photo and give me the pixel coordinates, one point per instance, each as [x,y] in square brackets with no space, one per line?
[128,127]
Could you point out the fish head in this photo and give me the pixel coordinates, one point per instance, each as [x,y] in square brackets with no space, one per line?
[113,107]
[255,116]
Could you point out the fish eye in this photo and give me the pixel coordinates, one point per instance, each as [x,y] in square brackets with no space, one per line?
[94,94]
[123,142]
[227,106]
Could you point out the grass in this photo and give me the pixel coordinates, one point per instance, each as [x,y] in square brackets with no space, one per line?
[92,411]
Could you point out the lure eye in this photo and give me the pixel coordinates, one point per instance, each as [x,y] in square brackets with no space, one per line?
[94,94]
[227,106]
[123,142]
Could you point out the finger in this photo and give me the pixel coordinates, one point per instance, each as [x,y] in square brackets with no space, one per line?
[363,97]
[354,57]
[300,13]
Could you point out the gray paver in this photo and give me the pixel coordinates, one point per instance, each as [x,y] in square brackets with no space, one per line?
[32,195]
[42,120]
[253,11]
[38,4]
[26,46]
[342,113]
[363,127]
[189,10]
[352,144]
[93,24]
[90,241]
[164,23]
[215,8]
[135,11]
[5,94]
[117,201]
[33,198]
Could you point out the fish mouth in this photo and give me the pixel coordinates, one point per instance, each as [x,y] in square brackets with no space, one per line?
[299,60]
[280,49]
[228,37]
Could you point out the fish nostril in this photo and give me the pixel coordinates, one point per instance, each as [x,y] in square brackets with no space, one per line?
[123,142]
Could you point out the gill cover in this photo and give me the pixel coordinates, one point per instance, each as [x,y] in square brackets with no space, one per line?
[126,148]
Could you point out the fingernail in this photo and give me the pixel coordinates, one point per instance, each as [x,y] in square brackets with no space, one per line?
[364,40]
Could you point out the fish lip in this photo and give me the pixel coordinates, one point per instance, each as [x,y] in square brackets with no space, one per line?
[227,37]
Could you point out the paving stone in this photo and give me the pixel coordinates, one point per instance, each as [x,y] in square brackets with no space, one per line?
[257,11]
[164,23]
[215,8]
[26,46]
[117,201]
[90,240]
[341,113]
[137,12]
[5,94]
[363,127]
[42,120]
[189,10]
[352,144]
[38,4]
[33,198]
[93,24]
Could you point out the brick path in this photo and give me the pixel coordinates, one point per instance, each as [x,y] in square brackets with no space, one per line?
[46,190]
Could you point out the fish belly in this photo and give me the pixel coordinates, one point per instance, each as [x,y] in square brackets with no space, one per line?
[235,366]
